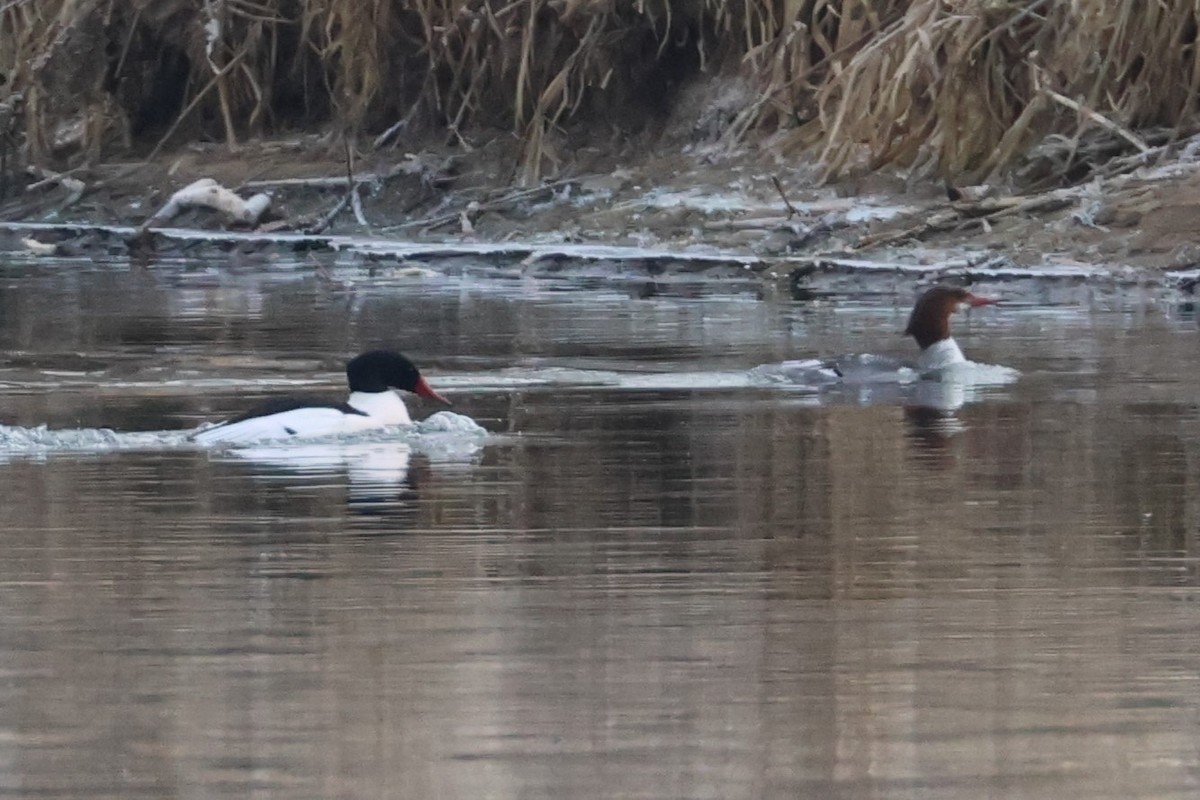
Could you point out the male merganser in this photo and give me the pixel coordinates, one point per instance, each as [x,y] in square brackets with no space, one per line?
[371,404]
[929,324]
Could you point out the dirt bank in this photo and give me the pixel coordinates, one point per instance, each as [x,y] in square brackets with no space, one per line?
[663,197]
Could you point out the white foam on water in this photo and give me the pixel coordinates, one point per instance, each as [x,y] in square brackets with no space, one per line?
[880,380]
[16,440]
[449,422]
[443,435]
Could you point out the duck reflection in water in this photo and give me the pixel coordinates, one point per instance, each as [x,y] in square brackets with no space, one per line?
[932,419]
[380,476]
[931,433]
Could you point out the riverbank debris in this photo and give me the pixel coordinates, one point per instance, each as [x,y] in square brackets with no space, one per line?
[207,193]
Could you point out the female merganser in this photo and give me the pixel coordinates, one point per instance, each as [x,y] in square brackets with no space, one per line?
[371,404]
[929,324]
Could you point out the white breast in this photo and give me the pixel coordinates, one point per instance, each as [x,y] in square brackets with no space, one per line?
[384,408]
[940,355]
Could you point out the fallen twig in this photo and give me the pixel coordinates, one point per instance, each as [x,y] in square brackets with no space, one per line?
[350,196]
[75,187]
[325,182]
[959,216]
[1125,164]
[775,223]
[400,125]
[322,224]
[509,199]
[792,212]
[356,204]
[411,165]
[352,184]
[1096,117]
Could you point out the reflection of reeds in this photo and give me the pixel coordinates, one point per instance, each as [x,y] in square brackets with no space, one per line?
[967,84]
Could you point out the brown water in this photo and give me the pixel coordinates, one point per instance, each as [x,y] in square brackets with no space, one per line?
[699,591]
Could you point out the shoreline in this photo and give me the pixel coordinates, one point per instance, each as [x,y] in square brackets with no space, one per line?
[723,217]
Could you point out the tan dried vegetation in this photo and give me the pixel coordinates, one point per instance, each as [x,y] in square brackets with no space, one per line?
[961,87]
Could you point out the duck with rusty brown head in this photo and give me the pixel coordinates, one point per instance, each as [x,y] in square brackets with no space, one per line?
[929,325]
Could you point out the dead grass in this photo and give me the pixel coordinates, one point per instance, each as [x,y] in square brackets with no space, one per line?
[969,86]
[954,88]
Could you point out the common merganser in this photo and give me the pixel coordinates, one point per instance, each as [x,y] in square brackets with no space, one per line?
[371,404]
[929,324]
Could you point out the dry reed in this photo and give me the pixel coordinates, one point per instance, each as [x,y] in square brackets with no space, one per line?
[963,88]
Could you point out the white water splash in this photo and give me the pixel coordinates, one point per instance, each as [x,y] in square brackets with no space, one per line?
[449,422]
[879,380]
[815,375]
[444,433]
[15,440]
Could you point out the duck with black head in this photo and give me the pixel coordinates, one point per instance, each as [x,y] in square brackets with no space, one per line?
[371,404]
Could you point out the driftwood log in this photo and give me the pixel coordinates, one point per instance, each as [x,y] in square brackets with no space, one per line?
[207,193]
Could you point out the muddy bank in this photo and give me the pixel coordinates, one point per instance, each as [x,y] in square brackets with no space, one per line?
[667,212]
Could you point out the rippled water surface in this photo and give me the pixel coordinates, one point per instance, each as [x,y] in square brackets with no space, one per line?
[652,579]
